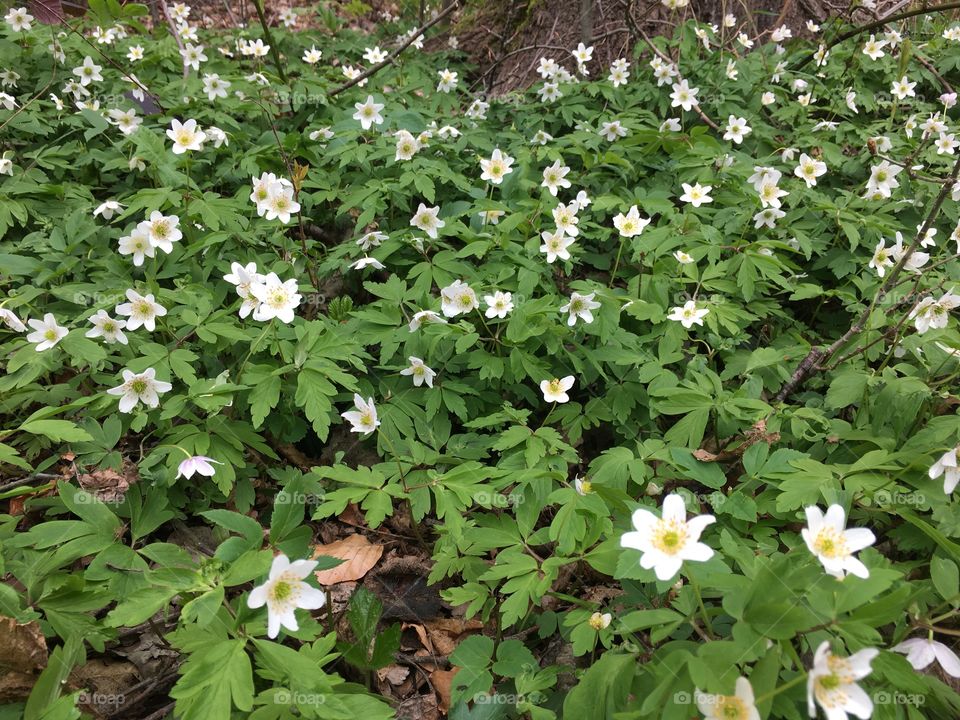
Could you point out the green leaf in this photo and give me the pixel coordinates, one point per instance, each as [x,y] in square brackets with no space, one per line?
[57,430]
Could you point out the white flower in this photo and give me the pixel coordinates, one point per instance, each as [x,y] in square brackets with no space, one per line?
[809,169]
[496,168]
[921,652]
[407,145]
[323,134]
[556,390]
[255,48]
[371,239]
[770,194]
[10,319]
[683,258]
[214,86]
[933,314]
[580,307]
[683,95]
[368,113]
[580,202]
[882,259]
[88,72]
[284,592]
[668,540]
[196,464]
[312,56]
[364,418]
[352,73]
[137,388]
[946,143]
[18,19]
[367,262]
[142,310]
[448,80]
[696,194]
[555,245]
[420,372]
[127,121]
[278,299]
[107,209]
[458,298]
[109,329]
[883,178]
[610,131]
[185,136]
[736,129]
[832,682]
[193,55]
[903,88]
[768,217]
[138,244]
[424,316]
[582,54]
[46,333]
[499,305]
[947,466]
[428,220]
[834,546]
[162,230]
[554,177]
[600,621]
[280,204]
[873,48]
[565,216]
[374,55]
[631,224]
[218,136]
[688,315]
[739,706]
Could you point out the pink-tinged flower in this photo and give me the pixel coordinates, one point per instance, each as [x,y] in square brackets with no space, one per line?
[197,464]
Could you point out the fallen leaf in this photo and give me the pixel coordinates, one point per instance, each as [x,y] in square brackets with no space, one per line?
[445,633]
[108,485]
[24,648]
[358,556]
[394,674]
[419,707]
[442,682]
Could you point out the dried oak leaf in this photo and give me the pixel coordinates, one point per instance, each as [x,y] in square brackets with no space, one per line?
[358,555]
[24,648]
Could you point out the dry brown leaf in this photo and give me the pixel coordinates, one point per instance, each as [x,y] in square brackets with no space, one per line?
[419,707]
[442,682]
[393,674]
[24,649]
[358,554]
[445,633]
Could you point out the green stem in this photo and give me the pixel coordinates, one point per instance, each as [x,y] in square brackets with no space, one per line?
[274,53]
[776,691]
[703,608]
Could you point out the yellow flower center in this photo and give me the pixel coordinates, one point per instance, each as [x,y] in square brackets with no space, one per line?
[830,543]
[670,536]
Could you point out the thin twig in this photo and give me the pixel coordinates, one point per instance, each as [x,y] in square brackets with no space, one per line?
[813,361]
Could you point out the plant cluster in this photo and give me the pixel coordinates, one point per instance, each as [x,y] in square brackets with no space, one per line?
[656,364]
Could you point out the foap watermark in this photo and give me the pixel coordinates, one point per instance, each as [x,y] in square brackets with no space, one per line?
[888,697]
[488,498]
[294,697]
[286,497]
[511,699]
[109,702]
[699,698]
[895,497]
